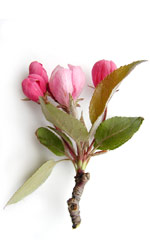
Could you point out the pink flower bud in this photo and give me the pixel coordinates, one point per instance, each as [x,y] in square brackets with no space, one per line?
[37,68]
[34,86]
[101,69]
[66,81]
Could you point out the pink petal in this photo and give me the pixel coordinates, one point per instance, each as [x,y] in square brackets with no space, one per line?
[78,80]
[37,68]
[31,89]
[101,69]
[39,80]
[60,84]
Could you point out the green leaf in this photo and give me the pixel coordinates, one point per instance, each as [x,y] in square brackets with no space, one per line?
[51,141]
[115,131]
[61,134]
[33,182]
[73,127]
[106,88]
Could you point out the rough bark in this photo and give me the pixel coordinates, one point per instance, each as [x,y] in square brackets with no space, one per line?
[81,179]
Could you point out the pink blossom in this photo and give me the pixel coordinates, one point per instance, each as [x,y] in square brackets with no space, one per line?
[34,86]
[37,68]
[66,81]
[101,69]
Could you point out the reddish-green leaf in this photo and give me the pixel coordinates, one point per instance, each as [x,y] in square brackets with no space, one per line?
[106,88]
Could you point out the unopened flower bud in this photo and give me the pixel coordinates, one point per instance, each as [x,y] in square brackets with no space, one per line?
[34,86]
[37,68]
[101,69]
[66,81]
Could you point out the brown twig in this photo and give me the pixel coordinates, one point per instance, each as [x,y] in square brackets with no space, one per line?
[81,179]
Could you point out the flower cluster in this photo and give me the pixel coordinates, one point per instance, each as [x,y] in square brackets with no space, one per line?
[35,84]
[63,81]
[67,135]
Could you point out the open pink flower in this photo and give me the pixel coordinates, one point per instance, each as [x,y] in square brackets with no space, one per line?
[37,68]
[66,81]
[101,69]
[34,86]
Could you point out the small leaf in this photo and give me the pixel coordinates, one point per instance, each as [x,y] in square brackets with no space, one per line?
[61,134]
[115,131]
[51,141]
[73,127]
[104,91]
[82,119]
[33,182]
[72,106]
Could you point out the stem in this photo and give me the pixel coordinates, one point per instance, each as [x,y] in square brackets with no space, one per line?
[79,152]
[105,114]
[91,146]
[98,153]
[67,147]
[81,179]
[71,151]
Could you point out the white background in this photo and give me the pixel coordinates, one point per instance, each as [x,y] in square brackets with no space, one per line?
[115,206]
